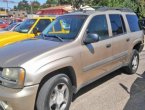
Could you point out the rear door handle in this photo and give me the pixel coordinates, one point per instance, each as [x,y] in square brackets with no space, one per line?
[108,45]
[127,39]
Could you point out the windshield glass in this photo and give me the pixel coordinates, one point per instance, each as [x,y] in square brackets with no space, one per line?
[25,26]
[10,26]
[65,27]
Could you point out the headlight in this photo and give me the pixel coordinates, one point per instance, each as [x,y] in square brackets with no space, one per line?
[12,77]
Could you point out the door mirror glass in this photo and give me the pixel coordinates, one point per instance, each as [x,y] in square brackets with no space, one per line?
[91,38]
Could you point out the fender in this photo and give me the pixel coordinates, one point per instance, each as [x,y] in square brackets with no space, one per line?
[40,73]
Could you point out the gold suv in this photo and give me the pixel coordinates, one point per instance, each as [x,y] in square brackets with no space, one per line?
[44,73]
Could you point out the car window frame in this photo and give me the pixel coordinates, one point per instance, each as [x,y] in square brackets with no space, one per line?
[35,25]
[129,24]
[124,28]
[106,23]
[83,24]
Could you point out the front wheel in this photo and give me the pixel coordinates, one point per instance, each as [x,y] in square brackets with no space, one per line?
[55,94]
[133,64]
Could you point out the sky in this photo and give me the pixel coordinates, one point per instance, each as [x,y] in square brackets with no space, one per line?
[11,5]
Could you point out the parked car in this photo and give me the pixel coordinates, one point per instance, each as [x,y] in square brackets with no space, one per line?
[11,27]
[25,30]
[43,73]
[3,24]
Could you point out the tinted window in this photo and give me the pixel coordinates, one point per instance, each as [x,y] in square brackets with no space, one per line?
[99,26]
[42,24]
[57,26]
[117,24]
[25,26]
[133,23]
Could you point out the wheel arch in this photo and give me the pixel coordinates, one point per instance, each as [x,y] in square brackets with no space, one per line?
[69,71]
[137,46]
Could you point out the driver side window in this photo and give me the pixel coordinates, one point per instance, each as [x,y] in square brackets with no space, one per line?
[98,25]
[42,24]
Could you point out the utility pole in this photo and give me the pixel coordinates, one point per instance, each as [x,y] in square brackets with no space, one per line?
[7,4]
[31,6]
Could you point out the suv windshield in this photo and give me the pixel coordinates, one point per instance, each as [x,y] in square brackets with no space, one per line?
[25,26]
[65,27]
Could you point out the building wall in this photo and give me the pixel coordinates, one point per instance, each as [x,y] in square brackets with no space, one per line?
[17,14]
[3,14]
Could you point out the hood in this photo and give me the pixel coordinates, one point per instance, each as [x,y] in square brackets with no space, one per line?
[10,33]
[10,37]
[18,53]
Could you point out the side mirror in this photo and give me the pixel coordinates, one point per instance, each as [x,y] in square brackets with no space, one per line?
[91,38]
[35,31]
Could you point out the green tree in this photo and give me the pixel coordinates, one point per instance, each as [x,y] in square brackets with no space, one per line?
[52,2]
[24,5]
[140,8]
[137,6]
[44,6]
[63,2]
[15,8]
[35,6]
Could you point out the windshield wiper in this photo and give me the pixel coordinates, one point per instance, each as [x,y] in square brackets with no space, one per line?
[54,36]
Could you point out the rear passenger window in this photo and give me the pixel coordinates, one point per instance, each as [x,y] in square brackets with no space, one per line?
[133,22]
[99,26]
[117,24]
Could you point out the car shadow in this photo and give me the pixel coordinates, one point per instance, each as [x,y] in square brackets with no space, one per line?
[137,94]
[96,83]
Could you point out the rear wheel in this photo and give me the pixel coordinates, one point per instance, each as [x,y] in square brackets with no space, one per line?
[55,94]
[133,64]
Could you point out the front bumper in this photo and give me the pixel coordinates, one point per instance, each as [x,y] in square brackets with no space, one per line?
[19,99]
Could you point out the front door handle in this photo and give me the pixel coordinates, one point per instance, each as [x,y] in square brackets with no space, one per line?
[128,39]
[108,45]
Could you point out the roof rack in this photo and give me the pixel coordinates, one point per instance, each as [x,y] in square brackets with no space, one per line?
[100,8]
[103,8]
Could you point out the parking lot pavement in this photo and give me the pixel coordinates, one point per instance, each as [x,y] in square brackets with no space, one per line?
[117,91]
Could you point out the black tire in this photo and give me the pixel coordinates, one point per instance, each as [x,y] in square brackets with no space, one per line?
[131,68]
[1,108]
[48,90]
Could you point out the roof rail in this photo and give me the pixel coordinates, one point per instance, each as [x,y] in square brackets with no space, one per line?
[101,8]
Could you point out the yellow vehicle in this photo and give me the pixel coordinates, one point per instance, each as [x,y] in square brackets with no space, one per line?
[61,27]
[25,30]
